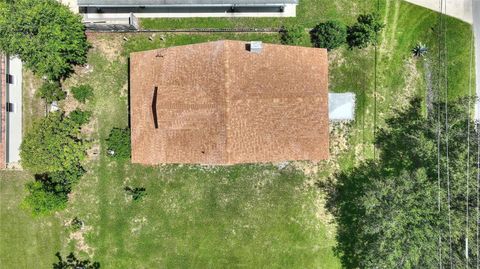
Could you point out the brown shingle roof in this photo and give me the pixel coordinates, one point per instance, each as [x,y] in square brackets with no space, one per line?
[217,103]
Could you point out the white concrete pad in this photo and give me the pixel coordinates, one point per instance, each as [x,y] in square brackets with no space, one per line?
[460,9]
[341,106]
[14,133]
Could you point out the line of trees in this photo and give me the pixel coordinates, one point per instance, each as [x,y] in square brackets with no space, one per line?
[387,209]
[333,34]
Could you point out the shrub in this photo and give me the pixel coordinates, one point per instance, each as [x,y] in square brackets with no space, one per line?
[45,34]
[118,143]
[41,201]
[364,31]
[52,145]
[329,35]
[82,93]
[136,193]
[291,35]
[73,262]
[80,117]
[76,224]
[420,50]
[51,91]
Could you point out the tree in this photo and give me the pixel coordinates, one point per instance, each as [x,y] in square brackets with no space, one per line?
[51,91]
[329,35]
[118,143]
[45,34]
[52,145]
[291,35]
[73,262]
[82,93]
[40,201]
[364,31]
[387,210]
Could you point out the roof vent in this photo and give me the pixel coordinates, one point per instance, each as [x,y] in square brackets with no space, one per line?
[255,46]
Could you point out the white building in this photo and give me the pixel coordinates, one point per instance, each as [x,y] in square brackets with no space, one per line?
[112,11]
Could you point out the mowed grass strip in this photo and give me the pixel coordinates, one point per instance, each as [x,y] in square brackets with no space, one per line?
[195,217]
[25,242]
[309,13]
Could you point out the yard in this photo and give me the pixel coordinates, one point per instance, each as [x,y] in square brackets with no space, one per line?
[250,216]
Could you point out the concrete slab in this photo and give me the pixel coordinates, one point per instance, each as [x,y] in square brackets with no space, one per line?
[14,117]
[341,106]
[460,9]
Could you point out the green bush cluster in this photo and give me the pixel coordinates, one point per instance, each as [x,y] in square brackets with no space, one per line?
[333,34]
[80,117]
[118,143]
[291,35]
[51,91]
[52,150]
[364,31]
[41,201]
[82,93]
[329,35]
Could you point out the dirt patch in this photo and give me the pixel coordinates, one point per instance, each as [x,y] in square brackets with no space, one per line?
[80,243]
[319,171]
[78,237]
[109,46]
[93,153]
[411,77]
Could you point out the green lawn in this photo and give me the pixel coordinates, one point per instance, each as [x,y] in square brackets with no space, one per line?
[25,242]
[249,216]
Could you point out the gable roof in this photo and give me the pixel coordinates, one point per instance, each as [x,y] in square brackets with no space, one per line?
[217,103]
[157,3]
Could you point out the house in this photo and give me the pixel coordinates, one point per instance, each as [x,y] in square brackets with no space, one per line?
[11,110]
[229,102]
[114,11]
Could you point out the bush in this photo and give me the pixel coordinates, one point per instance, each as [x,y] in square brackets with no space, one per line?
[52,145]
[73,262]
[118,143]
[80,117]
[45,34]
[51,91]
[291,35]
[364,31]
[76,224]
[41,201]
[82,93]
[136,193]
[329,35]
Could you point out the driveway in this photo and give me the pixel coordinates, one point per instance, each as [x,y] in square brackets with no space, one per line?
[460,9]
[476,29]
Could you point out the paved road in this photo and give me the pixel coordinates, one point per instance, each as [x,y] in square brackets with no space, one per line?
[476,29]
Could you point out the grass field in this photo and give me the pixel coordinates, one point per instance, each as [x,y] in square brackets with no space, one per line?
[249,216]
[309,12]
